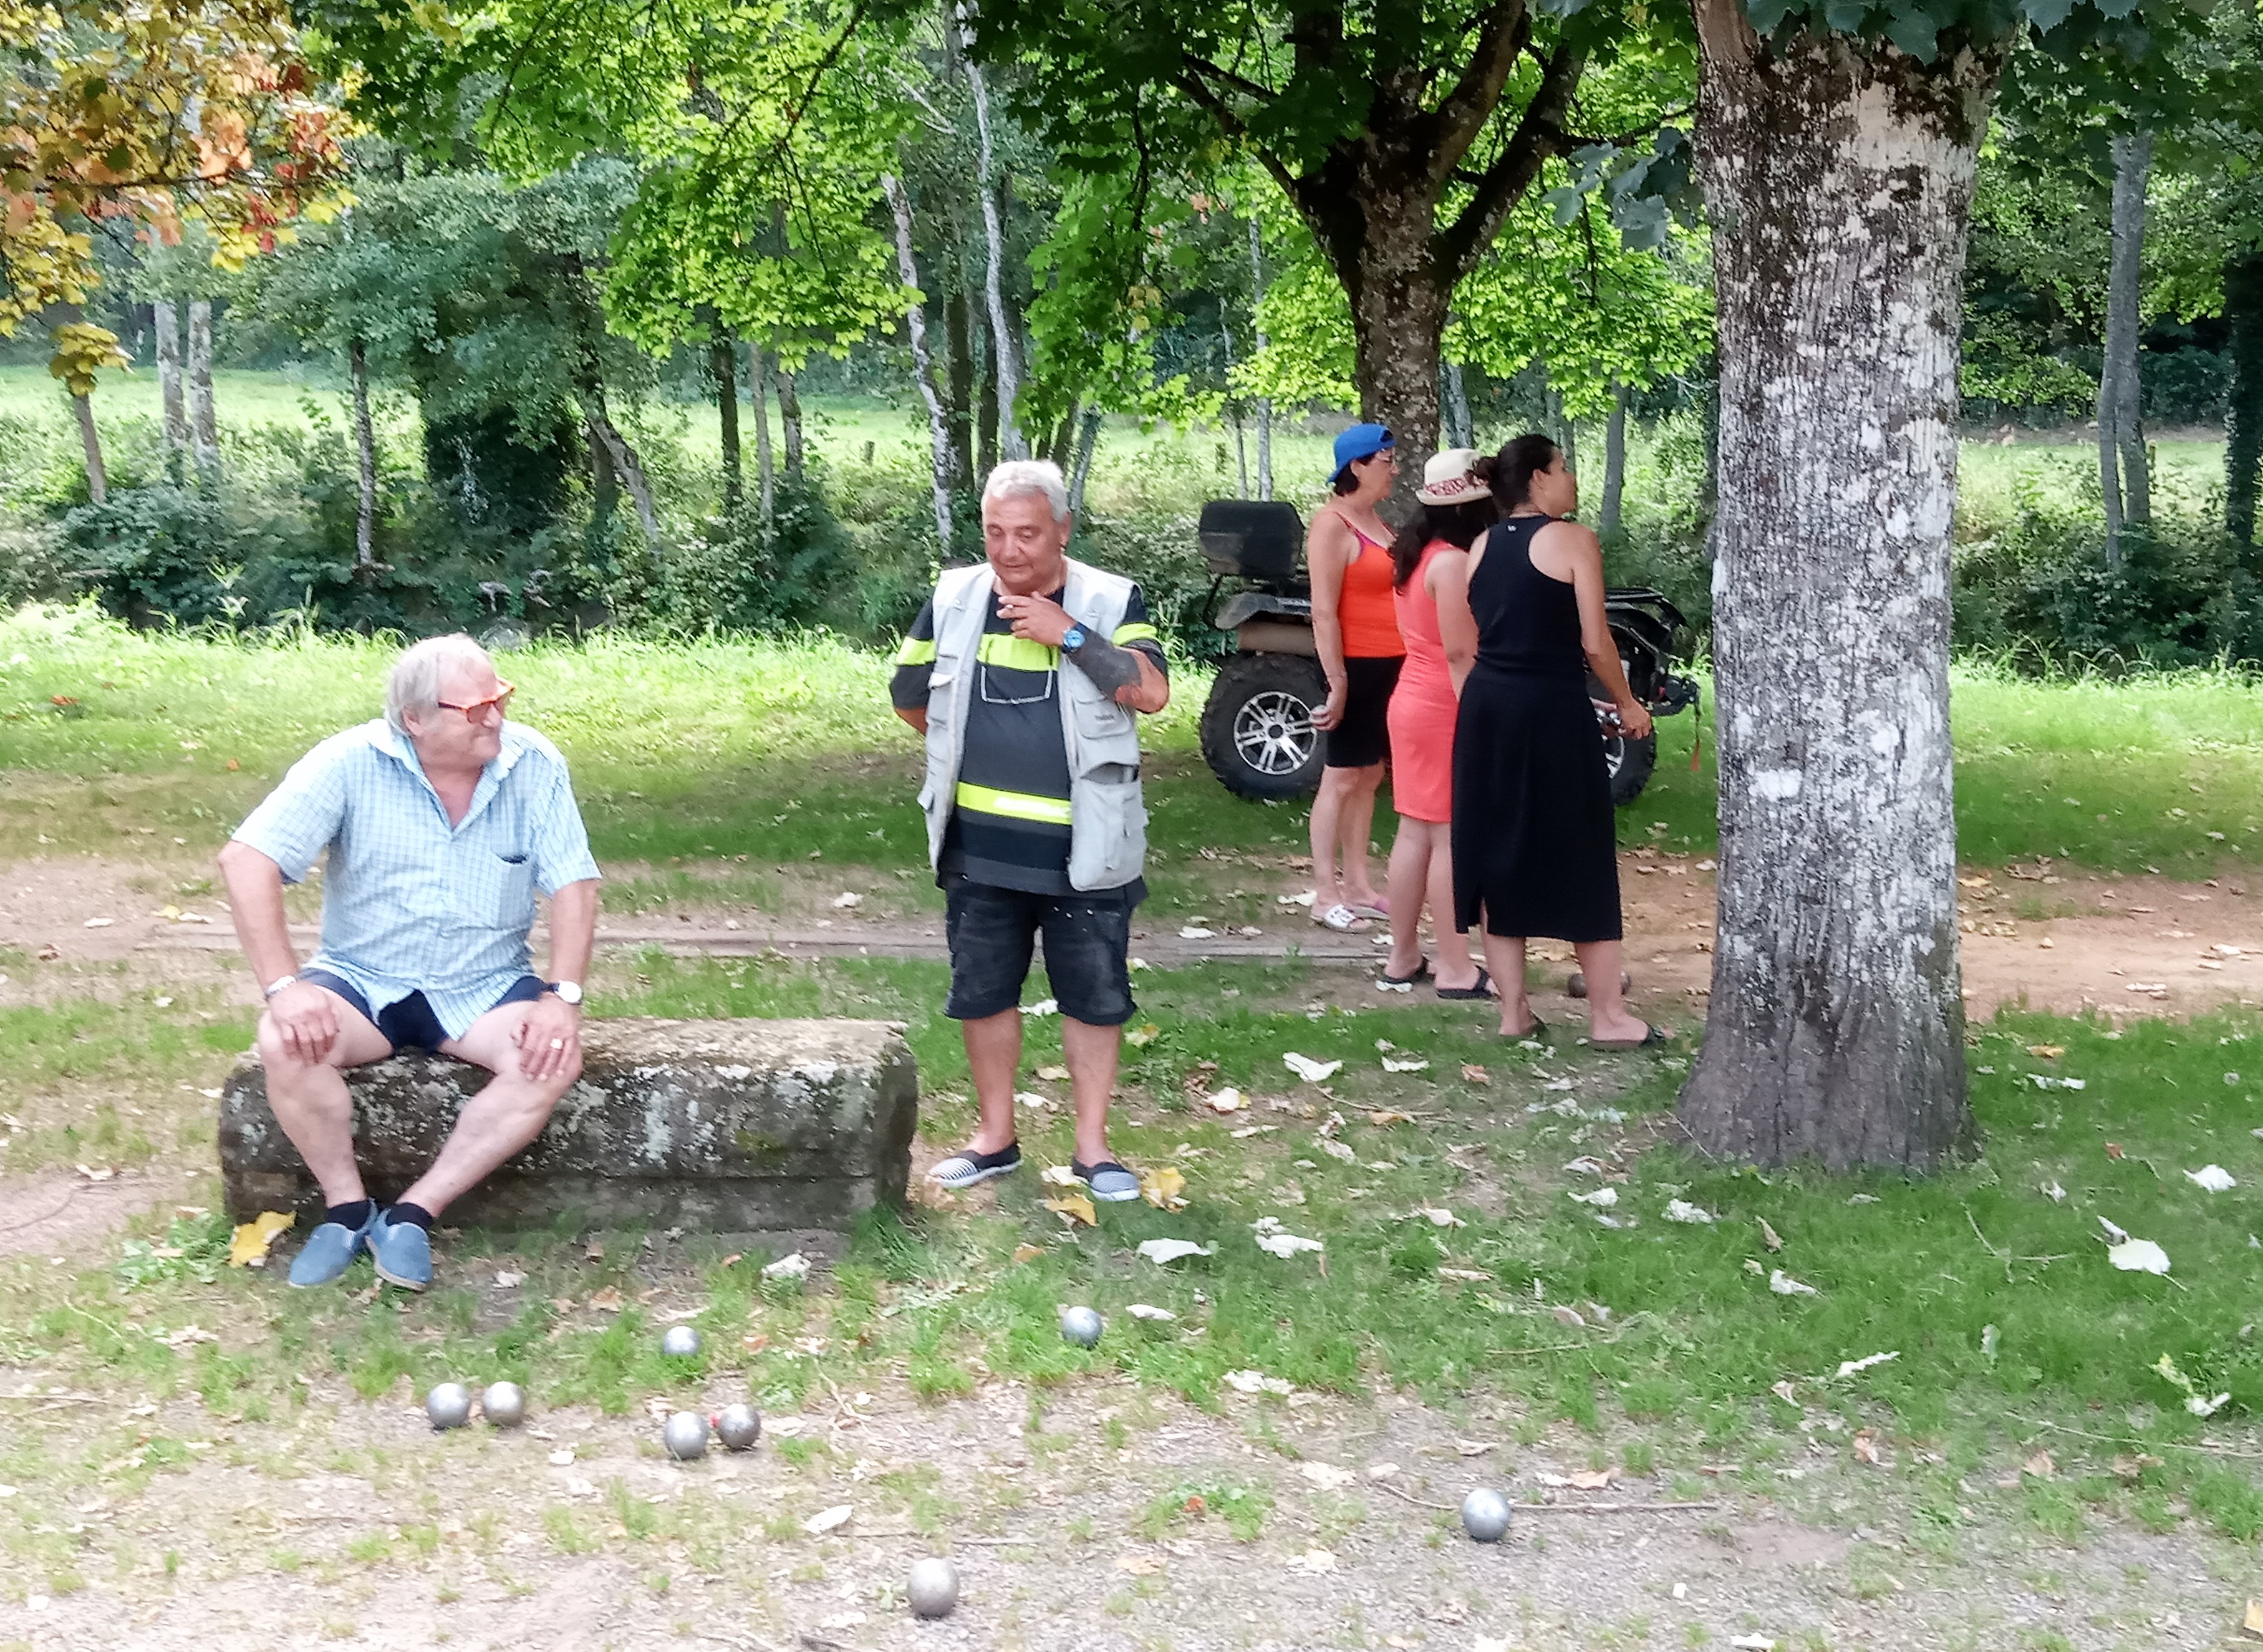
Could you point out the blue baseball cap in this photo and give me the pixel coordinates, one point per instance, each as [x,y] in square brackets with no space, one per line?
[1361,441]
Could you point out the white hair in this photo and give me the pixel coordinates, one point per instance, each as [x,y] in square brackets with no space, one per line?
[414,682]
[1018,478]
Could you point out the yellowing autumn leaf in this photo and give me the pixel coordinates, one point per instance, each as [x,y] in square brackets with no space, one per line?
[1075,1207]
[1141,1036]
[249,1248]
[1162,1188]
[1026,1253]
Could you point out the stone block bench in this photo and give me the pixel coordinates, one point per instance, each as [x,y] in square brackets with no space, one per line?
[756,1128]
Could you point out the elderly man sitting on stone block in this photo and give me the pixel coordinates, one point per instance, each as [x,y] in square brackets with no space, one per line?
[441,819]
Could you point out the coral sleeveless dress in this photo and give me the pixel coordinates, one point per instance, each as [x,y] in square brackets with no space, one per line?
[1423,708]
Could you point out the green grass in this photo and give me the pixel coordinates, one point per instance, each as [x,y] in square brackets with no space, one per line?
[714,764]
[1678,1375]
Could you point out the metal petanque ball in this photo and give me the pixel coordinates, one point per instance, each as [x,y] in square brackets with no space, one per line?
[1485,1515]
[1080,1326]
[738,1427]
[685,1436]
[1576,987]
[449,1405]
[505,1405]
[679,1342]
[934,1588]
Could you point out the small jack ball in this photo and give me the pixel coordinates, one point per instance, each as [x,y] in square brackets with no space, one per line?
[1080,1326]
[680,1340]
[933,1588]
[738,1427]
[449,1405]
[1485,1515]
[685,1436]
[505,1405]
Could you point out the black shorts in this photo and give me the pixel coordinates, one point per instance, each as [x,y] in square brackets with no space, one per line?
[1363,739]
[992,933]
[408,1022]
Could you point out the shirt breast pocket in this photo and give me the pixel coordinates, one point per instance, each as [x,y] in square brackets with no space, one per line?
[507,897]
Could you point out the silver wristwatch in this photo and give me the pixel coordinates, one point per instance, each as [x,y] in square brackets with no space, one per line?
[567,991]
[277,984]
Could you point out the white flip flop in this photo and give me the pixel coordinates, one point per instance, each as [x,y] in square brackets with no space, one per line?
[1341,919]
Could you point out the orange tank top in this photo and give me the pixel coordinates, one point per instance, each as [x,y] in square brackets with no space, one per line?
[1367,609]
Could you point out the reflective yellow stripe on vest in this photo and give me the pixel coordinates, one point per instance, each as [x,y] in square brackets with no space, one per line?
[1015,654]
[1135,632]
[983,799]
[916,651]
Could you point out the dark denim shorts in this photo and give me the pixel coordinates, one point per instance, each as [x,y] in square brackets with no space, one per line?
[410,1023]
[992,933]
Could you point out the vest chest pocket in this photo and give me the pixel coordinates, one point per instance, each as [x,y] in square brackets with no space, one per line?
[1107,735]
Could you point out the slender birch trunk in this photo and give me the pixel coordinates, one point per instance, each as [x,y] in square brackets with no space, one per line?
[2243,444]
[2121,483]
[790,423]
[1458,431]
[765,467]
[1838,179]
[723,367]
[204,425]
[1264,404]
[365,455]
[941,471]
[167,320]
[1607,522]
[90,441]
[994,232]
[1087,439]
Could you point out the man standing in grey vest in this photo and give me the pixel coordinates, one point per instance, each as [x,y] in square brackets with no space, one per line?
[1032,801]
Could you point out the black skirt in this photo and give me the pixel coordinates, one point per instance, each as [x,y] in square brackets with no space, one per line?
[1534,837]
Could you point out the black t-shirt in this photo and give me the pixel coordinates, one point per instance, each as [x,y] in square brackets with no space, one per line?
[1009,821]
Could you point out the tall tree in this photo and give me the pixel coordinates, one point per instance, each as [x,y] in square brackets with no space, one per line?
[1402,135]
[166,318]
[1837,146]
[204,420]
[2125,480]
[941,466]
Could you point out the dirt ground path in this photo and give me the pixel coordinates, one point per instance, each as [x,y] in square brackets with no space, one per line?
[1087,1517]
[2054,938]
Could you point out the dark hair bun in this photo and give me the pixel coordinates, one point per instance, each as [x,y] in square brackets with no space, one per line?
[1517,463]
[1482,467]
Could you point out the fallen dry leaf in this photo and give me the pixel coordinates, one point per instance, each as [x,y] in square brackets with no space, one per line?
[2112,1149]
[1384,1117]
[1028,1252]
[1314,1562]
[1592,1479]
[1783,1391]
[1473,1447]
[1223,1101]
[2047,1052]
[2040,1466]
[1162,1188]
[2254,1623]
[1055,1074]
[1141,1036]
[1326,1476]
[1475,1075]
[1074,1208]
[1769,1236]
[249,1248]
[1138,1565]
[607,1301]
[1568,1317]
[1866,1447]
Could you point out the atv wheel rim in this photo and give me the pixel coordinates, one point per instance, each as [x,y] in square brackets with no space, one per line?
[1273,732]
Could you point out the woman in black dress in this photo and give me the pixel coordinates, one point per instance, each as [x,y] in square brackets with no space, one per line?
[1533,841]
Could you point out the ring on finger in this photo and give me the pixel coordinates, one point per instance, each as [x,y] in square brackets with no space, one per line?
[558,1044]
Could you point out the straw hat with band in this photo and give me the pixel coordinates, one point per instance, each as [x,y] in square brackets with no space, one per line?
[1450,478]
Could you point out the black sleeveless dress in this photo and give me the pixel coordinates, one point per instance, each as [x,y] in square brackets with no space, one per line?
[1533,837]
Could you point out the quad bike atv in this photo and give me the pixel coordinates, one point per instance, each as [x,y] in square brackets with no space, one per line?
[1257,732]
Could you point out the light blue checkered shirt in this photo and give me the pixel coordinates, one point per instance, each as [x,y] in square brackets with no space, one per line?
[411,903]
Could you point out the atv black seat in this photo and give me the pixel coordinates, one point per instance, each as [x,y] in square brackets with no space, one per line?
[1252,539]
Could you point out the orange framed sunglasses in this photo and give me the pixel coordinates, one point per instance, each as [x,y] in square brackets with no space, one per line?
[498,702]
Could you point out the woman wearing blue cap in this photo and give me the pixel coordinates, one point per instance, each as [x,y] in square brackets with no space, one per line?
[1356,626]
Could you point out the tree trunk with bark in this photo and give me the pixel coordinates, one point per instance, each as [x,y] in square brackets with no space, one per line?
[1606,521]
[1264,404]
[608,448]
[1088,438]
[204,425]
[765,463]
[985,416]
[365,455]
[1838,179]
[993,290]
[90,441]
[1458,431]
[723,367]
[2124,484]
[790,423]
[959,399]
[167,320]
[940,471]
[2242,447]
